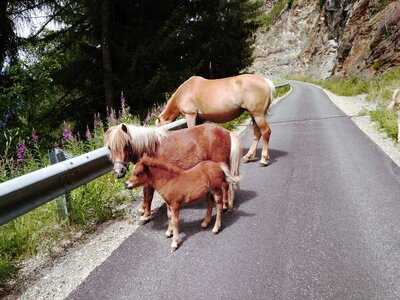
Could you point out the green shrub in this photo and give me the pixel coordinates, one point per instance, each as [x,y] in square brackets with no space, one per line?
[386,120]
[40,229]
[7,270]
[281,91]
[269,19]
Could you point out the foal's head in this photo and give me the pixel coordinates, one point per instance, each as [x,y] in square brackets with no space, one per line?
[139,177]
[149,168]
[119,143]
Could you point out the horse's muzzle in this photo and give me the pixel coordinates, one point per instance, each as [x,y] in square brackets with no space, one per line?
[128,185]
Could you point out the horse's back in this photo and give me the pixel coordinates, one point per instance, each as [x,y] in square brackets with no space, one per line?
[187,147]
[221,100]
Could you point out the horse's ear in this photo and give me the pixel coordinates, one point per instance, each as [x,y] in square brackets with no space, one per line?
[124,128]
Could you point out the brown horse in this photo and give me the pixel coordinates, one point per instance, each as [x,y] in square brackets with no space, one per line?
[223,100]
[178,187]
[184,148]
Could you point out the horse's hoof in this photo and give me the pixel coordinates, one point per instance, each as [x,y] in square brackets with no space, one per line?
[204,224]
[174,246]
[140,210]
[215,230]
[248,159]
[264,162]
[145,219]
[168,234]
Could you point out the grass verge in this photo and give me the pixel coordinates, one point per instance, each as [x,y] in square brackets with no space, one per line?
[386,120]
[41,230]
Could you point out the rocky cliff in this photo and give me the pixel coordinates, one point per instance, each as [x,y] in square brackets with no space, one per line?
[331,37]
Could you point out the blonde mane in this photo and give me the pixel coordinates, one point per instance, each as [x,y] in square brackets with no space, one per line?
[141,139]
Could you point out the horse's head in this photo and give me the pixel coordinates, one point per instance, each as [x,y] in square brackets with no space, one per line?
[168,115]
[139,176]
[119,143]
[161,120]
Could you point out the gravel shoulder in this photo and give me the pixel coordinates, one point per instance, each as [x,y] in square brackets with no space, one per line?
[355,107]
[57,278]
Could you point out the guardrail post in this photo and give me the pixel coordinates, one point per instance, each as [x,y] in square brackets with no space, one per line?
[63,206]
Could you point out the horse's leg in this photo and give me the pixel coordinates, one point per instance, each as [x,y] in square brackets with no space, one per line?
[207,218]
[266,133]
[251,154]
[191,120]
[225,196]
[228,194]
[218,201]
[168,233]
[175,226]
[148,193]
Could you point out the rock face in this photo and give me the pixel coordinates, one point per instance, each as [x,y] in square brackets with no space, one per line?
[371,39]
[332,37]
[277,51]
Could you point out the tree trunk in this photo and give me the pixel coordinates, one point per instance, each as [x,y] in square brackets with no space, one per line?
[106,52]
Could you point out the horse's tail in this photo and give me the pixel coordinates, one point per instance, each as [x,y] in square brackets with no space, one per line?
[236,154]
[234,161]
[228,175]
[271,88]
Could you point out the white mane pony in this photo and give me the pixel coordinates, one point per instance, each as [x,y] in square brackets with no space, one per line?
[123,141]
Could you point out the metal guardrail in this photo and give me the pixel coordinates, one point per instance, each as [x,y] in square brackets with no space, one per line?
[22,194]
[281,84]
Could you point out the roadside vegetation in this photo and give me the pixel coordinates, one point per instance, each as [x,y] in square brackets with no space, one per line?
[269,19]
[379,89]
[41,230]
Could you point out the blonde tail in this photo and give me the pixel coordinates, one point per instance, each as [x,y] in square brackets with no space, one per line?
[271,88]
[235,159]
[236,154]
[228,175]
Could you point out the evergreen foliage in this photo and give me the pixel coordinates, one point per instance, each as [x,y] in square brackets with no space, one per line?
[144,48]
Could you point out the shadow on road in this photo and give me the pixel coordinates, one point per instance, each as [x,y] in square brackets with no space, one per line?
[190,228]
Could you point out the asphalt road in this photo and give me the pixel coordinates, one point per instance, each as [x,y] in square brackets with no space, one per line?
[321,222]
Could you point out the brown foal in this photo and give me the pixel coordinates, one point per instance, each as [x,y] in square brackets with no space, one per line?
[178,186]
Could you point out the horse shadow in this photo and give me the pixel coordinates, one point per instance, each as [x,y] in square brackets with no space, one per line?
[189,228]
[274,154]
